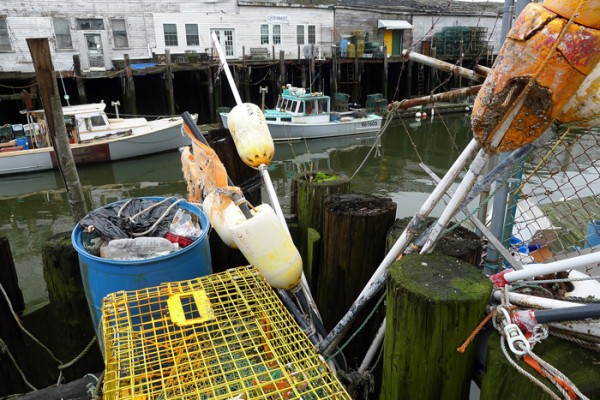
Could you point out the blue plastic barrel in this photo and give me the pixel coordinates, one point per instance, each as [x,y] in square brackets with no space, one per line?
[592,236]
[102,276]
[22,141]
[343,47]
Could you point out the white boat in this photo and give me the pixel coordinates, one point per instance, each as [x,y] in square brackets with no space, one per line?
[303,115]
[94,138]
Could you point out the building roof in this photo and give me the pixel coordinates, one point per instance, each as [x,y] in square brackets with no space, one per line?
[428,6]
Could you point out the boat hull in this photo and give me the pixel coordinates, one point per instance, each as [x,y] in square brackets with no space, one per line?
[161,136]
[286,131]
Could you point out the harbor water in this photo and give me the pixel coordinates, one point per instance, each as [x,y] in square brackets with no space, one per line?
[34,207]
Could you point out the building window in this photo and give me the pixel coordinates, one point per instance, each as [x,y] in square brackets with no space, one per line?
[4,39]
[226,39]
[170,34]
[312,34]
[62,33]
[264,34]
[191,35]
[300,34]
[119,33]
[276,34]
[90,24]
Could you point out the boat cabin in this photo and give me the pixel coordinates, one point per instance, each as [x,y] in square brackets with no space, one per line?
[296,105]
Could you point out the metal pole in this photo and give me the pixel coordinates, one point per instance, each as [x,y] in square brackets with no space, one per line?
[500,199]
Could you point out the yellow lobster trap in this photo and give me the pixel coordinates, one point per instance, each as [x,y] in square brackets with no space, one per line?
[225,336]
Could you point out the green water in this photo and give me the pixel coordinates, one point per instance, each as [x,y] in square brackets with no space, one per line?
[34,207]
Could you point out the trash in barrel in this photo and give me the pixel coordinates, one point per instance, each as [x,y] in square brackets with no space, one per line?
[138,243]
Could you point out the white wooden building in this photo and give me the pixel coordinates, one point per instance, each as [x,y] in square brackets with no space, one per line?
[103,31]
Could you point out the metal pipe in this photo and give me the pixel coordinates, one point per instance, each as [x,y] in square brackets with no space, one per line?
[434,98]
[442,65]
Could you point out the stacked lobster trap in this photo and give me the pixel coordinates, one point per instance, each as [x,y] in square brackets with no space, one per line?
[225,336]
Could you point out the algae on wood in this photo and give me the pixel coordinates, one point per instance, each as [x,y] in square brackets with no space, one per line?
[309,193]
[433,303]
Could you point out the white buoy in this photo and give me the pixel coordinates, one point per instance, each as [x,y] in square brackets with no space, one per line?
[418,114]
[266,244]
[251,135]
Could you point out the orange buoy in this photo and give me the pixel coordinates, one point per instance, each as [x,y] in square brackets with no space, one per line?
[541,65]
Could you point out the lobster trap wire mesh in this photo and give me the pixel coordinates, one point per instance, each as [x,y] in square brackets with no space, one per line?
[553,202]
[221,336]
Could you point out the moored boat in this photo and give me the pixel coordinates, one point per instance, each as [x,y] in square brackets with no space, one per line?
[94,138]
[304,115]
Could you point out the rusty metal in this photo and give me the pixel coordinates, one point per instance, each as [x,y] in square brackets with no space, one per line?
[442,65]
[542,64]
[446,96]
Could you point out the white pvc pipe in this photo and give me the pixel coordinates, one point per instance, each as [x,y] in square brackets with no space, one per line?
[272,195]
[532,270]
[456,201]
[373,348]
[236,94]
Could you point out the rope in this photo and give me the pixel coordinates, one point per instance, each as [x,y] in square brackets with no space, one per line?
[5,350]
[583,278]
[477,329]
[18,321]
[376,143]
[563,384]
[80,356]
[362,325]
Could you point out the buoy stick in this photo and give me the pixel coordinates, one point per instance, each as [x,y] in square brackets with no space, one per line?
[236,94]
[452,208]
[272,195]
[236,197]
[265,174]
[534,270]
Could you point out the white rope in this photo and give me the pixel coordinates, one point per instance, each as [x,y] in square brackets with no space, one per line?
[583,278]
[521,348]
[523,372]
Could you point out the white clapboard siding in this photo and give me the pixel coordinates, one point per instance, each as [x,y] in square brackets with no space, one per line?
[246,26]
[144,22]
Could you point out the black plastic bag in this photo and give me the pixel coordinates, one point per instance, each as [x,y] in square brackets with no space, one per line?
[125,219]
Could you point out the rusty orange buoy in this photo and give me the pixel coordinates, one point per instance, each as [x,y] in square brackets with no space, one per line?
[541,65]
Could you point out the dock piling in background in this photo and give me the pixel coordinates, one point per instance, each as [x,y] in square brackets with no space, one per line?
[309,193]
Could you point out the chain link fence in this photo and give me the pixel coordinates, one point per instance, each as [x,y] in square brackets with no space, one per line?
[554,211]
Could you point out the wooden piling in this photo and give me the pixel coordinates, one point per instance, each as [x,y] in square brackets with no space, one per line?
[42,62]
[460,243]
[385,73]
[128,87]
[10,334]
[169,83]
[433,304]
[71,324]
[8,276]
[211,94]
[282,80]
[309,193]
[353,243]
[79,80]
[502,381]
